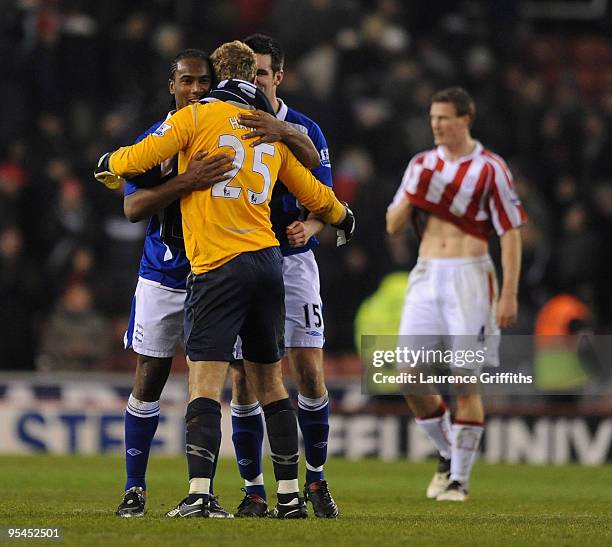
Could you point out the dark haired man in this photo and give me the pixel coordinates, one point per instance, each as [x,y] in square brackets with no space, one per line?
[304,330]
[458,194]
[156,321]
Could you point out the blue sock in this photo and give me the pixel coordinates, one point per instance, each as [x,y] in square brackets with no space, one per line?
[313,417]
[141,419]
[247,436]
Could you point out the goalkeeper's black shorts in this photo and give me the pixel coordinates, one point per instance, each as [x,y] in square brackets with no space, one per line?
[246,297]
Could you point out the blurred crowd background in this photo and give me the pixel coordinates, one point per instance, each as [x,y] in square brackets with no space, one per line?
[81,78]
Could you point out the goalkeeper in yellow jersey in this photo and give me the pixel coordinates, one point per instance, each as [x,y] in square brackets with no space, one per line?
[236,284]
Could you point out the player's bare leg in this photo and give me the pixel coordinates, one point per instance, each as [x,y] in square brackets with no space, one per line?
[141,420]
[206,379]
[466,433]
[313,417]
[433,417]
[470,408]
[423,406]
[247,437]
[266,380]
[242,393]
[307,367]
[150,377]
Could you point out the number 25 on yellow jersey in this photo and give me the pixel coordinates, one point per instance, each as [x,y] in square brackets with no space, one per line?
[225,190]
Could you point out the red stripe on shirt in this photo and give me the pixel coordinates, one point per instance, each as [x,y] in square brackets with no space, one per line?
[451,190]
[474,206]
[505,222]
[418,160]
[425,179]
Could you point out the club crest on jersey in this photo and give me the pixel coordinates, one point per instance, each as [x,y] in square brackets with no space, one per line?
[324,154]
[159,132]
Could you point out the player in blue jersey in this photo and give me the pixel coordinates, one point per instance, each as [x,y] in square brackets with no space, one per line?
[304,329]
[156,321]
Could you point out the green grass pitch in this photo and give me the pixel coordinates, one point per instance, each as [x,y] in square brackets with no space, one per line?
[381,504]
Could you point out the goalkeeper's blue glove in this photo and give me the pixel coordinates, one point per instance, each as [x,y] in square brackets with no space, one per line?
[103,173]
[346,228]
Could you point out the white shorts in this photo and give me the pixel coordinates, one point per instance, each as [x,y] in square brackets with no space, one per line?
[156,322]
[451,303]
[304,327]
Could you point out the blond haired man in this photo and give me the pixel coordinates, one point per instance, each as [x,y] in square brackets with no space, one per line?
[236,285]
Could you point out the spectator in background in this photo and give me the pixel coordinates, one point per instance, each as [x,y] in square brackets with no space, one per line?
[68,225]
[20,295]
[596,146]
[12,182]
[574,251]
[558,367]
[602,199]
[77,337]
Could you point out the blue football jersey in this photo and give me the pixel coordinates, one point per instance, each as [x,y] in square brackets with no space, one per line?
[284,206]
[160,263]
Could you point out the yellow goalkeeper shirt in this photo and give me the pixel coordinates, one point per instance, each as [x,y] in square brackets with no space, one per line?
[233,216]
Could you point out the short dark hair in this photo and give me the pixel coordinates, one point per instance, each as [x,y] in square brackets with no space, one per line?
[459,98]
[192,53]
[265,45]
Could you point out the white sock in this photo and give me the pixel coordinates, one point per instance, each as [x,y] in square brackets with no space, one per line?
[438,429]
[142,409]
[466,441]
[257,481]
[242,411]
[199,485]
[288,486]
[305,403]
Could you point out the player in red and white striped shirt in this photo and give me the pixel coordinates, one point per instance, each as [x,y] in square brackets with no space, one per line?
[457,195]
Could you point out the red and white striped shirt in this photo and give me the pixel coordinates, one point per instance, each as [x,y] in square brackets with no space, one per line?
[474,192]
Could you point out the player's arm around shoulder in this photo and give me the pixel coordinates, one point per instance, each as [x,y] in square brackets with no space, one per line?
[301,145]
[314,195]
[202,172]
[268,128]
[166,141]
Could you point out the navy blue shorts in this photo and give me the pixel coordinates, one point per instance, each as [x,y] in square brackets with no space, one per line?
[246,297]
